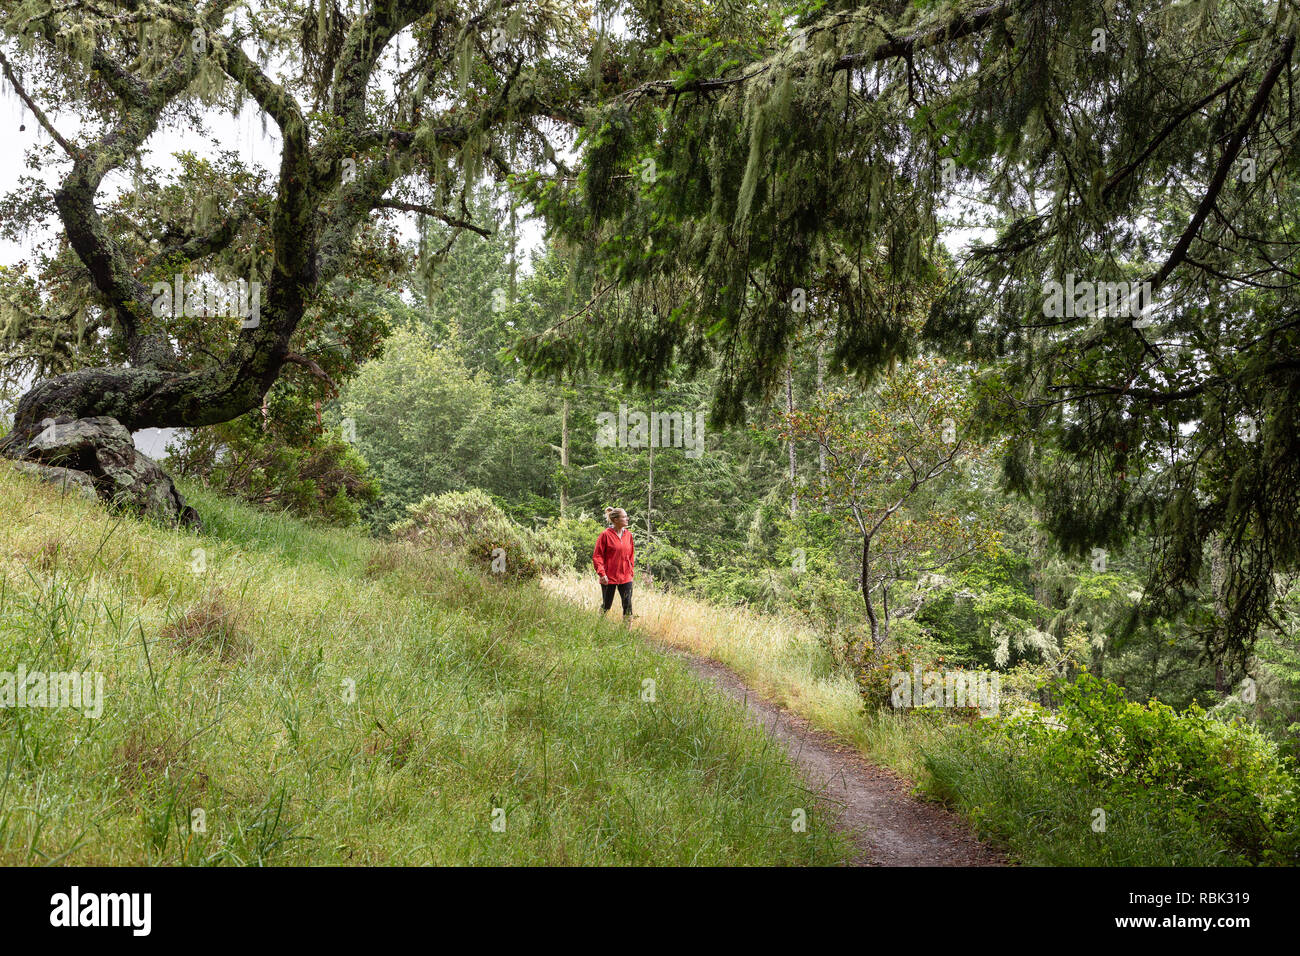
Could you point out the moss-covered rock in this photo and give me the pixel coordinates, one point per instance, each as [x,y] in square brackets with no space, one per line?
[99,454]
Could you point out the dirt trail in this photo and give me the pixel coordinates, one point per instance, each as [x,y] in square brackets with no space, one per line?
[889,826]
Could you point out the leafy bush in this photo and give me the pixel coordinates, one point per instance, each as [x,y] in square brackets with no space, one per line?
[312,476]
[876,670]
[820,591]
[469,524]
[728,586]
[666,563]
[875,674]
[965,611]
[1225,781]
[578,538]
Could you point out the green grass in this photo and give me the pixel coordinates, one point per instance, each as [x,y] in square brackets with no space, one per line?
[230,692]
[1010,796]
[1037,813]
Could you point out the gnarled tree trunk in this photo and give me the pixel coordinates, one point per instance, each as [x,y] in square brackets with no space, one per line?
[325,190]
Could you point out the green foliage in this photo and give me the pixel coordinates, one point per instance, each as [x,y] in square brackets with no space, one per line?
[875,670]
[978,610]
[800,185]
[319,476]
[431,424]
[465,286]
[470,525]
[667,563]
[1223,780]
[762,189]
[800,575]
[578,536]
[886,451]
[416,413]
[1276,676]
[727,585]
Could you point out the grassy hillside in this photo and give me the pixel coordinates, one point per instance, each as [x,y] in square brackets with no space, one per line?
[324,698]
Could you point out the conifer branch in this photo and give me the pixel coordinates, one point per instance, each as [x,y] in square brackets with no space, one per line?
[1158,278]
[904,47]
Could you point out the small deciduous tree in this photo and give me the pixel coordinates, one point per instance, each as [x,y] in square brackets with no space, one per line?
[885,451]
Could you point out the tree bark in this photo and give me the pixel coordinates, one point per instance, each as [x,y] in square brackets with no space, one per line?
[821,387]
[884,612]
[650,484]
[794,466]
[1218,591]
[564,456]
[1038,560]
[866,593]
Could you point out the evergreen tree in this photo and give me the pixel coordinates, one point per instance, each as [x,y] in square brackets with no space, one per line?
[1143,145]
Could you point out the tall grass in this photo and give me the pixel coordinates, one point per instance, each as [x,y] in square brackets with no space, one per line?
[323,698]
[783,661]
[1008,795]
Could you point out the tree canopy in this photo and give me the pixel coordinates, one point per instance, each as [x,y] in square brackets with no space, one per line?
[1146,150]
[397,106]
[745,174]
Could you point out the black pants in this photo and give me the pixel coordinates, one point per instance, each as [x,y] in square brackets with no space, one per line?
[624,594]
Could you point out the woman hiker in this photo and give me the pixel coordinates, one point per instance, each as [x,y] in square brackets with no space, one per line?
[614,558]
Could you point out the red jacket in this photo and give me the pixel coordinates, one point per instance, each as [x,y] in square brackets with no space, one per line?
[613,556]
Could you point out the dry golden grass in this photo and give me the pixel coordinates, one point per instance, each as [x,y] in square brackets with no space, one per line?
[215,624]
[781,660]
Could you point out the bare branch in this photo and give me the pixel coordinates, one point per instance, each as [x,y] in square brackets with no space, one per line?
[36,110]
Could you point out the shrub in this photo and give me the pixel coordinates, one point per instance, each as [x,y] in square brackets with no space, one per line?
[729,586]
[577,536]
[469,524]
[875,672]
[318,476]
[1225,780]
[667,563]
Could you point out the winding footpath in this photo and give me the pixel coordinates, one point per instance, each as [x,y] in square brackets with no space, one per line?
[889,826]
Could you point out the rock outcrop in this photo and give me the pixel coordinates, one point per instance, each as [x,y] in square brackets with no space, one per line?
[97,456]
